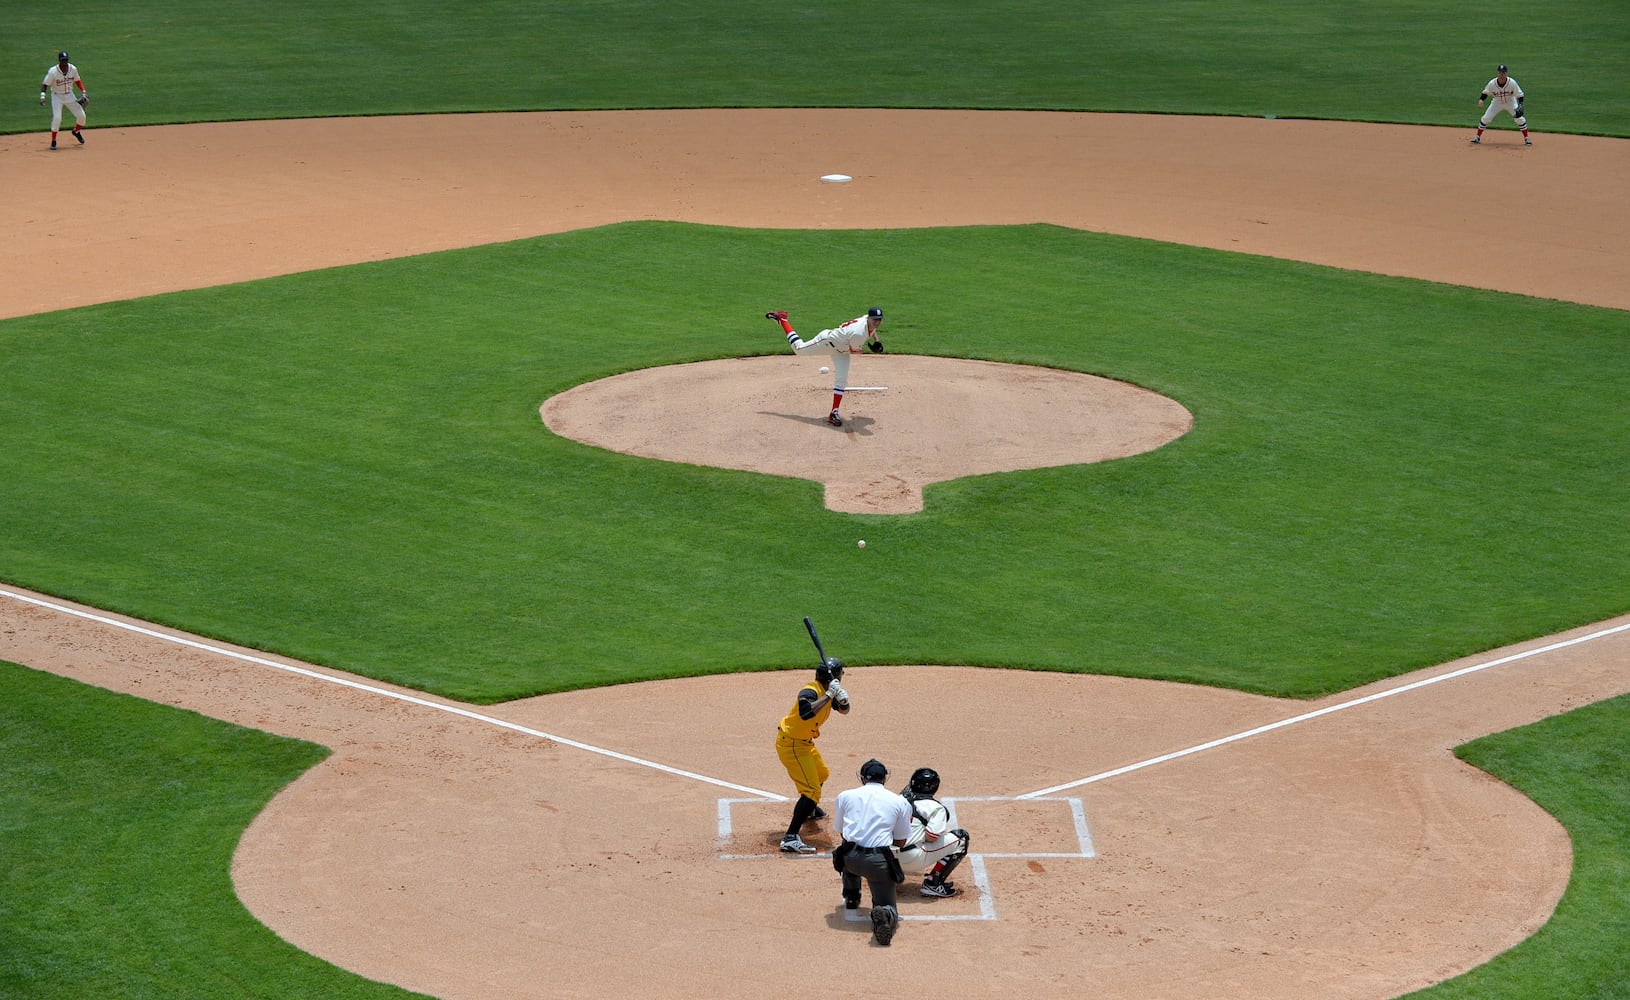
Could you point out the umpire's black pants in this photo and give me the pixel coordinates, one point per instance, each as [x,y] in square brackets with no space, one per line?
[872,865]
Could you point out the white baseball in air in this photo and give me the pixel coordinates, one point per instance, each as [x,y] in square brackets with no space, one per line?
[824,369]
[861,543]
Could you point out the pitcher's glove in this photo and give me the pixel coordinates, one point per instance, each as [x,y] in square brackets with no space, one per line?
[83,100]
[875,346]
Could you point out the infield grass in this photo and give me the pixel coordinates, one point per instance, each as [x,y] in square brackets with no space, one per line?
[119,822]
[348,466]
[1394,61]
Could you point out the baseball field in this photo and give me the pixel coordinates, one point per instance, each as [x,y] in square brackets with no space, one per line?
[475,704]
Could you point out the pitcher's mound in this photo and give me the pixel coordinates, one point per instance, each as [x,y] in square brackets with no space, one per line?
[908,421]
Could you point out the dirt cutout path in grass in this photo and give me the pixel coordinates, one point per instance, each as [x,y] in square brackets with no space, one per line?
[495,852]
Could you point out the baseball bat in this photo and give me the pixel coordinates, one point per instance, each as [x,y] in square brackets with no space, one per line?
[815,638]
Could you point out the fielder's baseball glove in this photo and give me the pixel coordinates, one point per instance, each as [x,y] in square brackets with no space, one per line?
[83,101]
[875,346]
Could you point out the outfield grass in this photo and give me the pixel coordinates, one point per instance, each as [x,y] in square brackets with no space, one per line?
[348,466]
[1395,61]
[119,824]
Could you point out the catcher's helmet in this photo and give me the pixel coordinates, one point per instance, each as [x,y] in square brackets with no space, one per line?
[831,669]
[875,313]
[925,781]
[62,57]
[873,771]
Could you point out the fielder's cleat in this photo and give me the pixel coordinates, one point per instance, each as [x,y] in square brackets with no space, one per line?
[53,144]
[1477,140]
[833,419]
[884,922]
[938,890]
[79,138]
[1527,141]
[795,845]
[777,316]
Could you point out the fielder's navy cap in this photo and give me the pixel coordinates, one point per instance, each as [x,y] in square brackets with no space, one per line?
[1502,67]
[62,57]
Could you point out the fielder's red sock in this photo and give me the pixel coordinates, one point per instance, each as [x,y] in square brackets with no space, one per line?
[53,137]
[1525,133]
[786,324]
[837,400]
[1480,131]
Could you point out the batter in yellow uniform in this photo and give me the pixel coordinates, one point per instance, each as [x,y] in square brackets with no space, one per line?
[795,745]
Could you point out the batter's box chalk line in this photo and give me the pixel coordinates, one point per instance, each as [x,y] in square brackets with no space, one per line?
[976,859]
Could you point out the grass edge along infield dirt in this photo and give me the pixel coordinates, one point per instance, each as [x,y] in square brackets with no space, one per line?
[120,819]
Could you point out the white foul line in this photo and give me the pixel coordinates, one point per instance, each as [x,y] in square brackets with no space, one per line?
[410,699]
[1463,671]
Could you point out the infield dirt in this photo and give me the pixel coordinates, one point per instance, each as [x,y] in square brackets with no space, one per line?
[1349,855]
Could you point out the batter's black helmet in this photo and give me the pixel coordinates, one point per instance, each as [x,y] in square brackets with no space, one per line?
[875,313]
[873,771]
[62,57]
[831,669]
[925,781]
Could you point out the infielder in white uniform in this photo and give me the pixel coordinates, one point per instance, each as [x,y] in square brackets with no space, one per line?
[59,83]
[840,343]
[934,849]
[1502,94]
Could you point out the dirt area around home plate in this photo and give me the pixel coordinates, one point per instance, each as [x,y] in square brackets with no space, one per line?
[565,846]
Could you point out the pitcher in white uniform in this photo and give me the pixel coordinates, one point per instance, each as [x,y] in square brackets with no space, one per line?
[840,342]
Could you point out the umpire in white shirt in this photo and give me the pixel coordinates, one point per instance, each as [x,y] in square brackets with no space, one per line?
[873,822]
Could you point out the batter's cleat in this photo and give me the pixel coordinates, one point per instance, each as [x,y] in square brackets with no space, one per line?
[1477,140]
[79,138]
[795,845]
[938,890]
[884,922]
[833,419]
[776,316]
[819,813]
[851,904]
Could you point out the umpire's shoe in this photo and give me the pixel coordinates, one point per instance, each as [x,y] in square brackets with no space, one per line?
[795,845]
[884,921]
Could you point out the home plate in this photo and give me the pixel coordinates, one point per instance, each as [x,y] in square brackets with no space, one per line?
[836,178]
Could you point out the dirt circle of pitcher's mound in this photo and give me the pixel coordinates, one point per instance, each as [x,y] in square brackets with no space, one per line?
[908,421]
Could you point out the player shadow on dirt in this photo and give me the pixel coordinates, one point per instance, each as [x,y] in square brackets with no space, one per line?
[851,425]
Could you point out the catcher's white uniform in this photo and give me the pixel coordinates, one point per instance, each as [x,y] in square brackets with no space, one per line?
[60,81]
[932,839]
